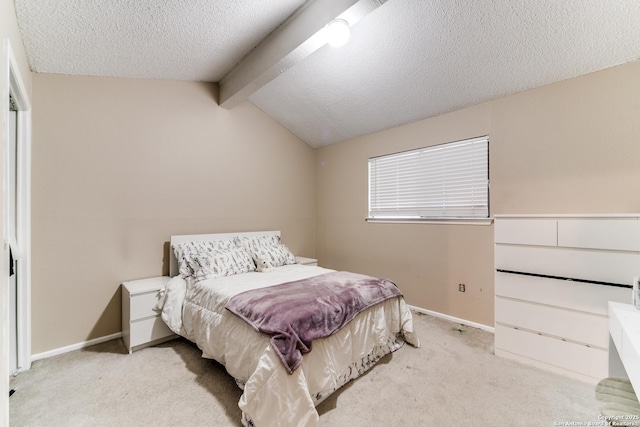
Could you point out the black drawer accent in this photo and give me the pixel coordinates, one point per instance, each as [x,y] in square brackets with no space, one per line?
[570,279]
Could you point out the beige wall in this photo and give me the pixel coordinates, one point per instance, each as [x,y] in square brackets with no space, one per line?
[571,147]
[111,158]
[119,165]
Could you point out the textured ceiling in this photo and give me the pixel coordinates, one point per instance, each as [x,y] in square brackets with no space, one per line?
[406,60]
[197,40]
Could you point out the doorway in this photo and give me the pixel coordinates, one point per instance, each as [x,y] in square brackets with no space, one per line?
[17,222]
[15,216]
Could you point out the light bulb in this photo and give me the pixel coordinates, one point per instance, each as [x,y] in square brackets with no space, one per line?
[338,32]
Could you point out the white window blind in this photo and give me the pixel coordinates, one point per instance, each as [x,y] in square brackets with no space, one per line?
[443,181]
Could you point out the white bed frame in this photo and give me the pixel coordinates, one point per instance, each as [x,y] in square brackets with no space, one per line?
[173,263]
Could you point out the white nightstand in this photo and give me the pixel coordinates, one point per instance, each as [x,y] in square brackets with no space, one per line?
[142,325]
[306,261]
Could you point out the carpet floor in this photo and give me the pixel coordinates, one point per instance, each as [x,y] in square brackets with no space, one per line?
[454,379]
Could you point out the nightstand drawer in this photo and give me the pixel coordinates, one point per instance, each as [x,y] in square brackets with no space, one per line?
[143,305]
[306,261]
[148,330]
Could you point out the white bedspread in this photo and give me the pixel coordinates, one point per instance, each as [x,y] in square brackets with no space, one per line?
[271,396]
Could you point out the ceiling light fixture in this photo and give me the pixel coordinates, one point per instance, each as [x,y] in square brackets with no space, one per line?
[303,33]
[338,32]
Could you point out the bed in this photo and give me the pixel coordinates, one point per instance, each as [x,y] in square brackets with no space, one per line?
[193,306]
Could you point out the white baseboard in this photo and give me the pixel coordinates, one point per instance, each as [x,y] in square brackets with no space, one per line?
[78,346]
[72,347]
[454,319]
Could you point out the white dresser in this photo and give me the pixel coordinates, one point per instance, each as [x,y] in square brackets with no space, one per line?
[555,275]
[142,325]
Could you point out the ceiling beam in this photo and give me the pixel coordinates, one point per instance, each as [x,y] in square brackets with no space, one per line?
[298,37]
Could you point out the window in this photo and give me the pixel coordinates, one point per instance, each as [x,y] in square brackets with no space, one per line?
[447,181]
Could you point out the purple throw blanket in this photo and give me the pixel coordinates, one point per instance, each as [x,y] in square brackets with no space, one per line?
[296,313]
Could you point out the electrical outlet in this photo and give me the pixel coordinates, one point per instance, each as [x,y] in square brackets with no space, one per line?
[461,287]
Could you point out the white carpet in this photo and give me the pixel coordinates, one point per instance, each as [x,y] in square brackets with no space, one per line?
[454,379]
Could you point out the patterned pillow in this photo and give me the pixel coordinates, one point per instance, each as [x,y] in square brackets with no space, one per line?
[186,251]
[277,255]
[220,263]
[252,244]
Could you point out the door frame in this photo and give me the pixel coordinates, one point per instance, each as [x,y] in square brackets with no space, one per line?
[12,83]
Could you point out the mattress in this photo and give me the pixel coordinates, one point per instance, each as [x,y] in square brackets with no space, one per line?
[271,396]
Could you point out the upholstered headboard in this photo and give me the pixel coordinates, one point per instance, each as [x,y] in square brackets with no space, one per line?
[173,263]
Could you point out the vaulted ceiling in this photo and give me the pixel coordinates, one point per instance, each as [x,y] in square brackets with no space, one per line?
[406,59]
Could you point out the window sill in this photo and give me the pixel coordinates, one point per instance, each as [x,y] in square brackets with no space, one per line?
[447,221]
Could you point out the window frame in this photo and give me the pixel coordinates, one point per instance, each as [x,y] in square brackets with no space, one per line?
[429,154]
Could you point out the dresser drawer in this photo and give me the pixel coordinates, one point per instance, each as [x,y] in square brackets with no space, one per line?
[586,328]
[606,266]
[148,330]
[538,232]
[612,234]
[143,305]
[587,297]
[575,360]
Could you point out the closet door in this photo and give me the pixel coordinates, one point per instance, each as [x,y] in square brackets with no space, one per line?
[11,179]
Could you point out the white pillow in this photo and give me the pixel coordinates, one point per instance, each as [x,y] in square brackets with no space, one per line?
[185,252]
[220,263]
[253,243]
[277,255]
